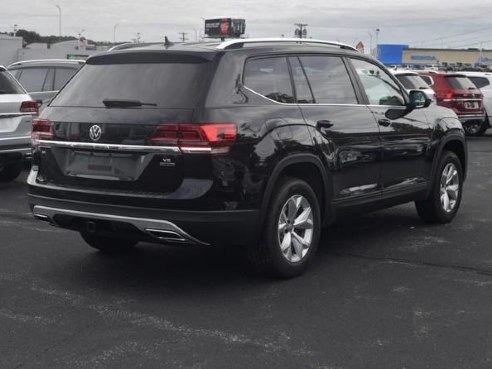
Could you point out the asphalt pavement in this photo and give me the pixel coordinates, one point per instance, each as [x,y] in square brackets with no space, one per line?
[385,291]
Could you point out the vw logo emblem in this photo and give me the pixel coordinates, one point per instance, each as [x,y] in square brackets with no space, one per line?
[95,132]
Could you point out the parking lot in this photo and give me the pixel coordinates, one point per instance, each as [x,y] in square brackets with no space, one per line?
[385,291]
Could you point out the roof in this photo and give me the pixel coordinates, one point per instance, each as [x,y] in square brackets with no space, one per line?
[292,44]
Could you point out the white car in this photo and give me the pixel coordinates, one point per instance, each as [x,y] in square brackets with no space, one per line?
[16,112]
[483,81]
[412,81]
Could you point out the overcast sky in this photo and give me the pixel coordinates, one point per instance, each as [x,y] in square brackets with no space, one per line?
[419,23]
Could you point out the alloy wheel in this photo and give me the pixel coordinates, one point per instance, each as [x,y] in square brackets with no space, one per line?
[295,228]
[449,187]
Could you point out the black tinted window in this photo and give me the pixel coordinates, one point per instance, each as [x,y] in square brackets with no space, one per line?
[8,85]
[32,79]
[479,81]
[428,80]
[303,90]
[168,85]
[62,75]
[329,80]
[269,77]
[460,83]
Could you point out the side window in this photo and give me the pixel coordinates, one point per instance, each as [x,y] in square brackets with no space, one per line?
[329,80]
[479,81]
[32,79]
[62,75]
[428,80]
[48,82]
[303,90]
[269,77]
[378,85]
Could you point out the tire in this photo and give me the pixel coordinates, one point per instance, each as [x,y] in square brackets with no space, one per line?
[476,128]
[444,200]
[293,200]
[10,171]
[107,244]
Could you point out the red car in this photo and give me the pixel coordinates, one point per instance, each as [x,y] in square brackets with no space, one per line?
[457,92]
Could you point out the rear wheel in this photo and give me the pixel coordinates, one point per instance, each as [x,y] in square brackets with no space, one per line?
[10,171]
[107,244]
[476,127]
[291,233]
[444,200]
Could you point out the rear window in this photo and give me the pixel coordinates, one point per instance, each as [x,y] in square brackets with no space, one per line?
[34,79]
[460,83]
[167,85]
[480,82]
[412,82]
[8,84]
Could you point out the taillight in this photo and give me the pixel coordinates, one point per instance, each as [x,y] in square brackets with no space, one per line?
[29,107]
[41,130]
[210,138]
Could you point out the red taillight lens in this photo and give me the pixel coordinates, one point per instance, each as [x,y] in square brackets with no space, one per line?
[29,107]
[448,95]
[41,130]
[211,138]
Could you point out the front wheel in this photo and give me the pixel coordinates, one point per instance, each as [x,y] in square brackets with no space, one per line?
[291,232]
[476,127]
[444,200]
[107,244]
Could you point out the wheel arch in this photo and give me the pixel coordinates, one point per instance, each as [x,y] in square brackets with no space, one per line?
[307,167]
[456,144]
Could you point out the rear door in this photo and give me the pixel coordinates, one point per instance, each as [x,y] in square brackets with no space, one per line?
[343,128]
[405,141]
[106,124]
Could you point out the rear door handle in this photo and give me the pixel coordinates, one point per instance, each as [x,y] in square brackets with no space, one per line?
[384,122]
[323,123]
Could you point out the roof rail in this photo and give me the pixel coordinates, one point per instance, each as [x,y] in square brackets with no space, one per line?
[241,41]
[131,45]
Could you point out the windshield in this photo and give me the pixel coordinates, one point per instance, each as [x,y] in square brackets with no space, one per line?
[460,83]
[159,85]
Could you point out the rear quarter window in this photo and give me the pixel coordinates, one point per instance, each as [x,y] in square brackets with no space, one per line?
[269,77]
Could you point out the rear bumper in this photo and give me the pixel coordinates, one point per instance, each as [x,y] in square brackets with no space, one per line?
[154,225]
[471,117]
[16,144]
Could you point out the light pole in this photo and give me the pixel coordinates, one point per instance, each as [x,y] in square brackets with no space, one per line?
[301,31]
[59,22]
[370,43]
[114,32]
[377,43]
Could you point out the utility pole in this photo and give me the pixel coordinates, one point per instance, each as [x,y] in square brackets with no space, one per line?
[301,30]
[183,36]
[59,21]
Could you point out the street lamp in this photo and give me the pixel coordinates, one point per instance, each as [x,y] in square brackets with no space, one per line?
[114,32]
[59,21]
[377,43]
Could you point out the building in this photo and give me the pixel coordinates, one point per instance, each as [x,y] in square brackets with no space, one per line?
[11,50]
[405,55]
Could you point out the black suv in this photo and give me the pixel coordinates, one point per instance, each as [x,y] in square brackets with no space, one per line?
[258,143]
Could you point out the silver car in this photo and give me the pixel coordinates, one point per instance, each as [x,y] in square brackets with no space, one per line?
[412,81]
[16,113]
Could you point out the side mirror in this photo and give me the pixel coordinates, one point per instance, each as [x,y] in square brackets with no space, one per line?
[418,99]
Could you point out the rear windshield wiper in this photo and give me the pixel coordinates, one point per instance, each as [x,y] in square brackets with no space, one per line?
[119,103]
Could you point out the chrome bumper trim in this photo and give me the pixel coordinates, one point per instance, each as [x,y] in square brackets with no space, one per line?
[156,228]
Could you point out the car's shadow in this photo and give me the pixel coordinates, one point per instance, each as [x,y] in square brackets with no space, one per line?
[156,268]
